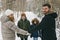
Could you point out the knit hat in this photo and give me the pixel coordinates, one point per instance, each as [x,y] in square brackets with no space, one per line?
[8,12]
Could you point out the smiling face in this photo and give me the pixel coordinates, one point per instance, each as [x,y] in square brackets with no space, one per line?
[23,17]
[35,22]
[45,9]
[11,17]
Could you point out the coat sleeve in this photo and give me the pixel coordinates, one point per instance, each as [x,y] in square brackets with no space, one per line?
[28,25]
[47,22]
[30,29]
[18,30]
[42,24]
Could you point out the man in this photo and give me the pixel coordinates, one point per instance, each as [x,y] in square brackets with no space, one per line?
[48,23]
[24,24]
[8,26]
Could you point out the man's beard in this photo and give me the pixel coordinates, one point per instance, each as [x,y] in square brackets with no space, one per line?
[45,13]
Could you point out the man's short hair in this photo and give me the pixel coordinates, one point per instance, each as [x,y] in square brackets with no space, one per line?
[49,6]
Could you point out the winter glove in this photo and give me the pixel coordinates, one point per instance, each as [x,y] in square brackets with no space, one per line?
[28,34]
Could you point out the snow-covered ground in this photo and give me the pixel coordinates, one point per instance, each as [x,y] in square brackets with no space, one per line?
[30,16]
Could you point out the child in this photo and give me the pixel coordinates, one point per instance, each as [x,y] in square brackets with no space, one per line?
[34,34]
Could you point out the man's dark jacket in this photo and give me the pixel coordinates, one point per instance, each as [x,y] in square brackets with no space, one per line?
[48,27]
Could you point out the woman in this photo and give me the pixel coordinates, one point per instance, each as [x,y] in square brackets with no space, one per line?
[24,24]
[8,26]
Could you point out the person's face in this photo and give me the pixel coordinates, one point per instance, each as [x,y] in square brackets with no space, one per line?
[45,9]
[23,18]
[11,17]
[35,22]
